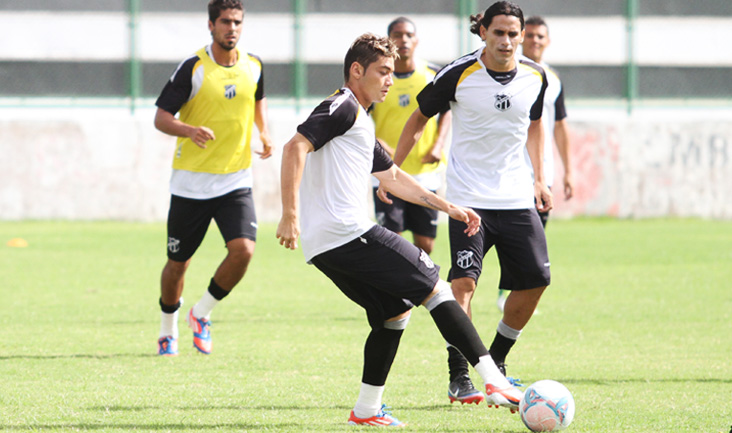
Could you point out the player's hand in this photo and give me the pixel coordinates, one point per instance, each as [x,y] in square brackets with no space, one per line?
[468,216]
[568,186]
[433,156]
[201,135]
[288,231]
[381,193]
[267,147]
[544,197]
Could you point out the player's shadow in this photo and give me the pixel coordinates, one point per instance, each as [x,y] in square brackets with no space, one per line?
[81,356]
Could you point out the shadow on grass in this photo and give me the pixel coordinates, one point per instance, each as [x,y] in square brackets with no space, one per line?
[82,356]
[580,381]
[118,408]
[151,427]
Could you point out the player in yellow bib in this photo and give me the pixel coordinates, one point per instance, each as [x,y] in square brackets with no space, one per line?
[219,95]
[426,160]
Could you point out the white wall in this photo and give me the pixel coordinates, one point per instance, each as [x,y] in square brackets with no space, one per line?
[104,163]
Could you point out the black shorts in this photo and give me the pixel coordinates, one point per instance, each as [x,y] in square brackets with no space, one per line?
[403,215]
[188,221]
[382,272]
[520,245]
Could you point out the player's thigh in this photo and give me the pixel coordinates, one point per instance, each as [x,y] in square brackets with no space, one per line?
[188,221]
[390,216]
[522,251]
[467,252]
[235,215]
[382,272]
[421,220]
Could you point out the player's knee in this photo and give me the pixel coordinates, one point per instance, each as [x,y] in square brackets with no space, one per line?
[241,250]
[399,324]
[441,293]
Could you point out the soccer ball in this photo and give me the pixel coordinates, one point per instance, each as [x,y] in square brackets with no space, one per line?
[547,406]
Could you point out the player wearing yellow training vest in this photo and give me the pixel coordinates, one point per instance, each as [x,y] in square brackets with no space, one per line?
[426,160]
[219,95]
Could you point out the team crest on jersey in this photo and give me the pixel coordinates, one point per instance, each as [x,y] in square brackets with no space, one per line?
[404,100]
[230,91]
[173,245]
[465,259]
[425,258]
[503,102]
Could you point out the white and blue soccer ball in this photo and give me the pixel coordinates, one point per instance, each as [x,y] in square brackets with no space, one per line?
[547,406]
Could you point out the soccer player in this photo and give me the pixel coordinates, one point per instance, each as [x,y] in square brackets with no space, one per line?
[425,161]
[219,93]
[536,40]
[496,103]
[554,114]
[329,160]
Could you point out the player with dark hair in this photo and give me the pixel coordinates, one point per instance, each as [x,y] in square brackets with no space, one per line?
[496,103]
[426,161]
[219,93]
[328,161]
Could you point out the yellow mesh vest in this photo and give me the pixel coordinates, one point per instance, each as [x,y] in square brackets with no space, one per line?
[391,115]
[225,104]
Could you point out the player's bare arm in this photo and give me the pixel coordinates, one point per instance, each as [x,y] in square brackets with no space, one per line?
[411,134]
[561,137]
[397,182]
[167,122]
[535,147]
[293,163]
[443,128]
[260,119]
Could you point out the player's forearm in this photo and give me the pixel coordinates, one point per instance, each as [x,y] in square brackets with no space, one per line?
[411,134]
[443,128]
[561,137]
[404,186]
[167,123]
[293,165]
[260,116]
[535,148]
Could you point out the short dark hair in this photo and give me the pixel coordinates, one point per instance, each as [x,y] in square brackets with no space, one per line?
[536,21]
[367,49]
[399,20]
[497,8]
[216,6]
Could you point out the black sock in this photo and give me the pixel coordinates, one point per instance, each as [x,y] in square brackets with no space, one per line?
[500,347]
[457,329]
[457,364]
[168,309]
[378,355]
[216,291]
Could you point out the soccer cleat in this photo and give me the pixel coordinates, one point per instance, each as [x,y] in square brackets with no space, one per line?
[507,397]
[167,346]
[201,333]
[515,381]
[462,390]
[381,419]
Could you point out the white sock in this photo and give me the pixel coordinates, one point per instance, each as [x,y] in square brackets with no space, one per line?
[169,324]
[507,331]
[490,374]
[202,310]
[369,401]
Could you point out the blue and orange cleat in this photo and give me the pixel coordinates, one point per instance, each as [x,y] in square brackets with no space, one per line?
[507,397]
[381,419]
[201,332]
[167,346]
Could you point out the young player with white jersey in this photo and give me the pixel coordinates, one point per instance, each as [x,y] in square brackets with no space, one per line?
[219,93]
[426,160]
[325,174]
[496,103]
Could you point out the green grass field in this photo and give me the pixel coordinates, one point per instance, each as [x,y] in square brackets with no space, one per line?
[636,324]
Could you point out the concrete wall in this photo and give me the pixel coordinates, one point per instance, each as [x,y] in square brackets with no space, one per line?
[104,163]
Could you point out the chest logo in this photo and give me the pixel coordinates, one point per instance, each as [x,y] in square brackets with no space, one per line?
[503,102]
[404,100]
[230,91]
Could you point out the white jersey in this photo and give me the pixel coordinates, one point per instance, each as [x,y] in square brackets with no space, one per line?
[554,111]
[488,167]
[335,183]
